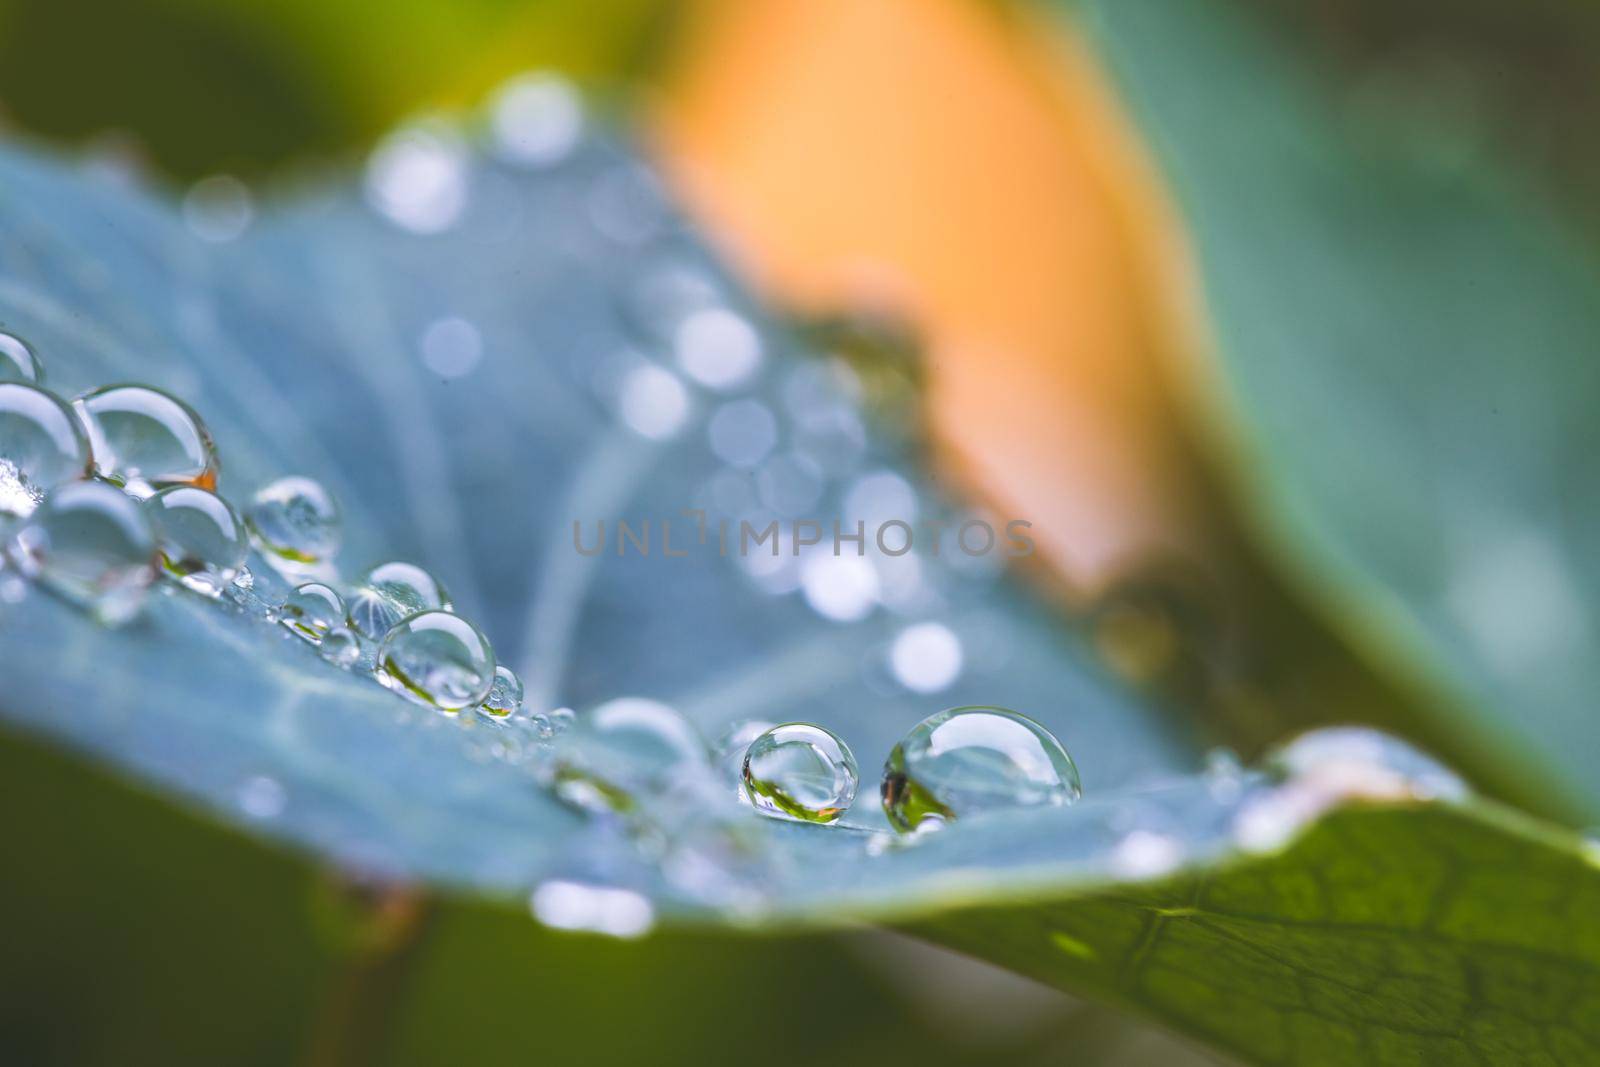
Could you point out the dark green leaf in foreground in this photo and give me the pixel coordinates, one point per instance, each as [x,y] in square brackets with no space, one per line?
[1405,373]
[304,345]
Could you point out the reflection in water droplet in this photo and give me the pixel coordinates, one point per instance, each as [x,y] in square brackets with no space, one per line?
[653,402]
[341,646]
[624,750]
[505,694]
[417,178]
[728,752]
[536,119]
[841,588]
[18,362]
[451,346]
[262,798]
[926,658]
[296,522]
[41,447]
[718,348]
[565,905]
[802,771]
[218,208]
[389,592]
[437,659]
[92,545]
[144,439]
[743,432]
[311,611]
[965,761]
[200,537]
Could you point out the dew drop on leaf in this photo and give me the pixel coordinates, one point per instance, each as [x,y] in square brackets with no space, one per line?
[311,611]
[144,439]
[965,761]
[389,592]
[91,544]
[200,537]
[437,659]
[18,362]
[41,447]
[296,522]
[505,694]
[802,771]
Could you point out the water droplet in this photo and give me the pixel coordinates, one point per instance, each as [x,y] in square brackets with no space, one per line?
[1326,768]
[18,363]
[218,208]
[144,439]
[258,589]
[624,750]
[802,771]
[1361,757]
[451,346]
[728,752]
[965,761]
[567,905]
[926,658]
[295,521]
[718,348]
[311,611]
[389,592]
[417,178]
[200,537]
[536,119]
[41,446]
[505,694]
[561,719]
[437,659]
[92,545]
[341,646]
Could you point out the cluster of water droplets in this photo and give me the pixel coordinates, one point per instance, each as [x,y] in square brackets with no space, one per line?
[105,496]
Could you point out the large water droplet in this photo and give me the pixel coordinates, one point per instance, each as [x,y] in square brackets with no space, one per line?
[802,771]
[437,659]
[41,447]
[92,545]
[295,521]
[145,440]
[18,363]
[389,592]
[200,537]
[620,752]
[505,695]
[965,761]
[311,611]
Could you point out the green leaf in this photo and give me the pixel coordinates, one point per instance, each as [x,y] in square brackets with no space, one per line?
[300,345]
[1384,935]
[1402,385]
